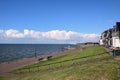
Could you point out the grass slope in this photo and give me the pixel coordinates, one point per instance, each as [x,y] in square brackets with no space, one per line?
[87,52]
[101,70]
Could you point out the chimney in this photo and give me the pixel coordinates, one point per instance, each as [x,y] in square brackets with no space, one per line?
[118,24]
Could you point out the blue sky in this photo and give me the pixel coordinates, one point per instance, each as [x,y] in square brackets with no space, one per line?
[82,17]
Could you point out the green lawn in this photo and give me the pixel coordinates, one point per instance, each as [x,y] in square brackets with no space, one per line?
[99,67]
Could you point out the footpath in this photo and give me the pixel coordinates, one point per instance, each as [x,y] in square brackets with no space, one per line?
[6,67]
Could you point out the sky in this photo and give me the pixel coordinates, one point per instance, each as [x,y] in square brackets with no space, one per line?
[56,21]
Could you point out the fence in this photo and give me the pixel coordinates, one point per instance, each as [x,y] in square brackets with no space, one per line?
[64,64]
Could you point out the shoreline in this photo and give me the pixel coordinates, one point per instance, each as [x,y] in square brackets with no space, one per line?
[6,67]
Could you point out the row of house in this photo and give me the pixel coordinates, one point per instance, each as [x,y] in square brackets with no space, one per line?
[111,39]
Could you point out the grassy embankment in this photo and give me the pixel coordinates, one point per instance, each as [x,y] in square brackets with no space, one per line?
[99,70]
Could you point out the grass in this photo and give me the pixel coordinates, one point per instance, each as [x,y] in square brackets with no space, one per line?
[99,71]
[2,78]
[91,68]
[87,52]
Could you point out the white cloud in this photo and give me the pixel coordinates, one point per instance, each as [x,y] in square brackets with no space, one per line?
[13,34]
[58,35]
[54,35]
[32,33]
[2,34]
[89,36]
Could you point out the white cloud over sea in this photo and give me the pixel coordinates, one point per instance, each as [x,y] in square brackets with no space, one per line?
[53,36]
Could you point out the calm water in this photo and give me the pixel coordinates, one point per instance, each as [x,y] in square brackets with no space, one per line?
[10,52]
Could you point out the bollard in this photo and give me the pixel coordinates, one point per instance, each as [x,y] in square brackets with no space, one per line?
[85,60]
[48,66]
[60,65]
[19,71]
[28,69]
[99,56]
[20,74]
[38,68]
[73,62]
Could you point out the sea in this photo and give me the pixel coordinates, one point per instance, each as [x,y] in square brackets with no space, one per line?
[12,52]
